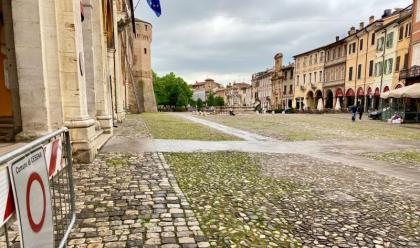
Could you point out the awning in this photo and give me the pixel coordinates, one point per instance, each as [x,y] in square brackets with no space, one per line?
[377,92]
[369,91]
[350,92]
[360,92]
[339,93]
[412,91]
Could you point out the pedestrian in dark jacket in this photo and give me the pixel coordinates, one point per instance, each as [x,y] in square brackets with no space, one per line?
[353,111]
[360,111]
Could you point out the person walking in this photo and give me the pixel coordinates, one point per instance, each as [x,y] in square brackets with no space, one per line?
[353,110]
[360,111]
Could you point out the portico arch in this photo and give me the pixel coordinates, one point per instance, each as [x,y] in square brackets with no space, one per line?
[350,97]
[329,103]
[310,100]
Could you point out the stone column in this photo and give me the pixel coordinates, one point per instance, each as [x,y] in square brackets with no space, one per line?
[72,79]
[31,68]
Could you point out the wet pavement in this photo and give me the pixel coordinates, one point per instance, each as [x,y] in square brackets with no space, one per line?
[248,136]
[128,197]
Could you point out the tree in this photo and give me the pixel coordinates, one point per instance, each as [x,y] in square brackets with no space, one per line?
[211,101]
[171,90]
[219,101]
[200,104]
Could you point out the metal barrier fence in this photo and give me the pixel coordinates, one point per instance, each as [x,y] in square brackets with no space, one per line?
[61,187]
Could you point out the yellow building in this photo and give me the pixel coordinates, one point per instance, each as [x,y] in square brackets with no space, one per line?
[309,71]
[403,47]
[362,57]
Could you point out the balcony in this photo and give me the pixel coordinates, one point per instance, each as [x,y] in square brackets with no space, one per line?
[335,61]
[313,85]
[412,73]
[303,87]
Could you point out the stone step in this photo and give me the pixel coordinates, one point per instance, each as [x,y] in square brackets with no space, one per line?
[101,140]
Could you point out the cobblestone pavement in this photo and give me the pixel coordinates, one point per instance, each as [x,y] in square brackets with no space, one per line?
[132,200]
[347,206]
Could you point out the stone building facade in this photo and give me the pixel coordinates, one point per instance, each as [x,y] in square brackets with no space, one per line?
[309,77]
[331,96]
[65,66]
[283,84]
[236,94]
[262,89]
[209,85]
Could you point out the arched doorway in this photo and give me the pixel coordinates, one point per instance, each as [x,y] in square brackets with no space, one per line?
[376,98]
[340,99]
[350,97]
[398,86]
[310,100]
[329,103]
[360,96]
[386,89]
[319,100]
[369,98]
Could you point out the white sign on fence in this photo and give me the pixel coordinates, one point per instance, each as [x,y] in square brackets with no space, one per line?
[31,188]
[7,206]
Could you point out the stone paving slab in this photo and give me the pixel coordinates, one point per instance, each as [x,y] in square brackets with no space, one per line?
[132,200]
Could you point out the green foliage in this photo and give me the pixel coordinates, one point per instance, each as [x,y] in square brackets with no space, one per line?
[211,101]
[200,104]
[171,90]
[219,101]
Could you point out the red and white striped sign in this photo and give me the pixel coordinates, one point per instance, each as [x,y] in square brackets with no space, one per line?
[54,157]
[7,205]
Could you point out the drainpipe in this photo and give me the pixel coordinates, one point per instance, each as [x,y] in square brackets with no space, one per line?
[366,65]
[357,69]
[382,71]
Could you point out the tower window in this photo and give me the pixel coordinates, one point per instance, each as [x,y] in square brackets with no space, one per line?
[145,51]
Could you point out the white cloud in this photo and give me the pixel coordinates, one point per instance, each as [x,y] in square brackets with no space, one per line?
[230,40]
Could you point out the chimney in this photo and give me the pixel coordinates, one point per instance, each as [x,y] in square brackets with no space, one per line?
[337,38]
[361,25]
[387,13]
[371,19]
[352,31]
[278,62]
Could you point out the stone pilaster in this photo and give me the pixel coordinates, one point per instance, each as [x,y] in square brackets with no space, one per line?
[72,71]
[119,87]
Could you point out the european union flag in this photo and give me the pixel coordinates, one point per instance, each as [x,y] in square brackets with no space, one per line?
[155,5]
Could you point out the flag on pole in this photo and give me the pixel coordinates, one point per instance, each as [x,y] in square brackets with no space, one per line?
[155,6]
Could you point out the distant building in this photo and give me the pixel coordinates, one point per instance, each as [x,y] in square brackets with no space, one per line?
[262,89]
[282,84]
[236,94]
[332,95]
[199,94]
[207,86]
[309,76]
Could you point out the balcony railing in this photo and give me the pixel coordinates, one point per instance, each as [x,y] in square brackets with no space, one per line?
[413,72]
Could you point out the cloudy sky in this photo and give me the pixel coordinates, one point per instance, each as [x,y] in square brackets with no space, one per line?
[228,40]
